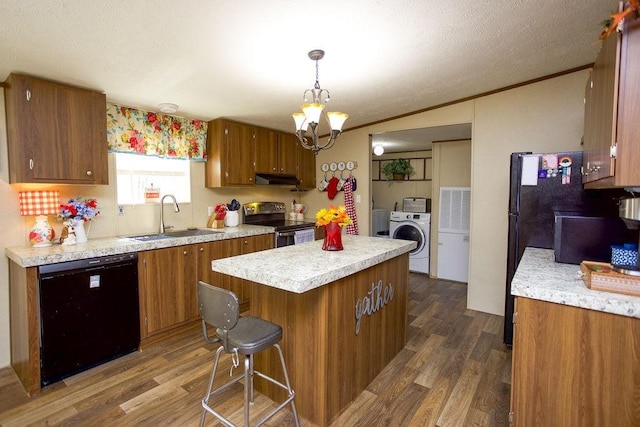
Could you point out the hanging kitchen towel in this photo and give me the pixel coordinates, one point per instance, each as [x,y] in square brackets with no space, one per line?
[303,236]
[332,188]
[351,207]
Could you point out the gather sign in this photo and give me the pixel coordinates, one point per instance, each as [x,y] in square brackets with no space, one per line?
[375,299]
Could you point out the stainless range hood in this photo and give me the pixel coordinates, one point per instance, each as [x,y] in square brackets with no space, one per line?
[276,179]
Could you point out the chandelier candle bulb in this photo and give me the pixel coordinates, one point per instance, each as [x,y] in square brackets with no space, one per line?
[301,123]
[337,119]
[312,112]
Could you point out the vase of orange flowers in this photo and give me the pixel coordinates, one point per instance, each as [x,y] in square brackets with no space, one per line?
[332,220]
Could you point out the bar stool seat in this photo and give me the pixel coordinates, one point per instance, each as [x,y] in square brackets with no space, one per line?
[252,335]
[245,336]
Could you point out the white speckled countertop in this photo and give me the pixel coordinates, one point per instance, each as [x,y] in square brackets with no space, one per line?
[300,268]
[539,277]
[27,256]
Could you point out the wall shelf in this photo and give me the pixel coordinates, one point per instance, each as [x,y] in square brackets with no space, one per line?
[421,166]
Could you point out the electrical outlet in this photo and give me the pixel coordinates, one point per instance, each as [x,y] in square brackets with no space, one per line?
[210,210]
[120,210]
[358,198]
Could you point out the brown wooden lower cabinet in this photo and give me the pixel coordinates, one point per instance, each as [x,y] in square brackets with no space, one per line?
[168,282]
[574,367]
[229,248]
[167,288]
[24,325]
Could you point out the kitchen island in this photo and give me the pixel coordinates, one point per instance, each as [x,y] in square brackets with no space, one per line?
[343,315]
[576,351]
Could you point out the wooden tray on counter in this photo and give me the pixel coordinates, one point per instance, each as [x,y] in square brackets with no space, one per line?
[600,276]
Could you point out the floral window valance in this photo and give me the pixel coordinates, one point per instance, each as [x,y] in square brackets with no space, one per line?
[130,130]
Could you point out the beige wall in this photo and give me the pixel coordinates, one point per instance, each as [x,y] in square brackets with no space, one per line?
[546,116]
[355,145]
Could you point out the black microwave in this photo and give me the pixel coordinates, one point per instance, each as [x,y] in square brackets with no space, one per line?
[579,237]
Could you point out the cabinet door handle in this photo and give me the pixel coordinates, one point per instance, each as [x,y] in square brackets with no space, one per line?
[184,252]
[31,164]
[28,94]
[89,173]
[201,249]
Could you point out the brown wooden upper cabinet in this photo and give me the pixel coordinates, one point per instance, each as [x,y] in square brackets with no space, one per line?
[275,152]
[306,166]
[56,133]
[611,133]
[266,151]
[230,154]
[237,151]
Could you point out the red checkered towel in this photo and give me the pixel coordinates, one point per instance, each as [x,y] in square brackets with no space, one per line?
[351,207]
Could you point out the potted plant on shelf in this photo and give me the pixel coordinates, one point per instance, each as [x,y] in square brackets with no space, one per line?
[397,169]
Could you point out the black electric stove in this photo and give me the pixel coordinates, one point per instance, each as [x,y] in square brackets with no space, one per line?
[273,214]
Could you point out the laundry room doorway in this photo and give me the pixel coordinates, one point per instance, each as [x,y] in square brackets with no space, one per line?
[439,155]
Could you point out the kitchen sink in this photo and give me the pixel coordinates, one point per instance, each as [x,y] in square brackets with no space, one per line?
[190,233]
[172,234]
[149,237]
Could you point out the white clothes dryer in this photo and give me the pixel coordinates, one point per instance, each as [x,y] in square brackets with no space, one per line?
[416,227]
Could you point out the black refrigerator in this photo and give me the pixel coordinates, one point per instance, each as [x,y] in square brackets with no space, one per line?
[533,208]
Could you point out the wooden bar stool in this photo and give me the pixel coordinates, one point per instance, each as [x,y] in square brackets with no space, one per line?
[239,336]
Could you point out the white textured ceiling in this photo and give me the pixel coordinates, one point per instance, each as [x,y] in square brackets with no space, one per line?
[247,59]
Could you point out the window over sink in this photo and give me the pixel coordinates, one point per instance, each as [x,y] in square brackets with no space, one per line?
[135,173]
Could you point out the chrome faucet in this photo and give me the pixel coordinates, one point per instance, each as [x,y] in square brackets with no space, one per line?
[176,209]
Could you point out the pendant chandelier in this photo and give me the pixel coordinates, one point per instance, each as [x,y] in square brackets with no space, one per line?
[314,102]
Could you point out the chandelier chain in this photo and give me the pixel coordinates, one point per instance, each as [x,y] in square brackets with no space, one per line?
[317,85]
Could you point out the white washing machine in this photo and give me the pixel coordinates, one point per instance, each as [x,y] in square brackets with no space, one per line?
[413,226]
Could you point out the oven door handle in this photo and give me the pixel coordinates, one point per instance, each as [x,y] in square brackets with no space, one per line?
[286,234]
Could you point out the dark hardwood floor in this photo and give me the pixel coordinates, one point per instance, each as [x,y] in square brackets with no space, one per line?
[454,371]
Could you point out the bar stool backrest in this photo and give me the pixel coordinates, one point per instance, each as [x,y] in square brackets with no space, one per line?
[219,308]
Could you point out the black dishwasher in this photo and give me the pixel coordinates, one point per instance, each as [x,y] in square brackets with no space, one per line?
[89,314]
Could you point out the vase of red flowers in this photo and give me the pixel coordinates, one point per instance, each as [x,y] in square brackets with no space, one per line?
[78,211]
[332,220]
[332,237]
